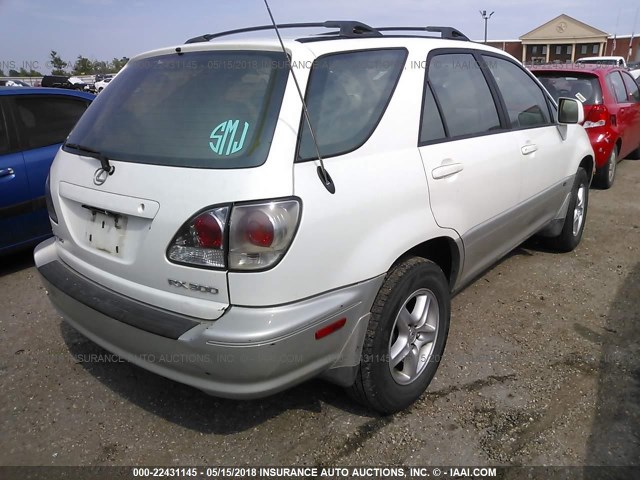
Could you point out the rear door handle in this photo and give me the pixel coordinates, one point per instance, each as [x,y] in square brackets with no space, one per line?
[5,172]
[528,149]
[446,170]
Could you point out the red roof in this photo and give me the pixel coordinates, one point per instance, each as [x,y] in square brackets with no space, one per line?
[595,69]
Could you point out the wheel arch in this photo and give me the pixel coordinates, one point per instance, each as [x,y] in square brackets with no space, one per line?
[588,163]
[618,145]
[443,251]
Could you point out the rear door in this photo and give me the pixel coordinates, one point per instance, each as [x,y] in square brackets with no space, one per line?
[625,113]
[633,97]
[542,151]
[473,168]
[15,198]
[43,122]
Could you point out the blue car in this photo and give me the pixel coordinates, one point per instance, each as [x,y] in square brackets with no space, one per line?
[33,124]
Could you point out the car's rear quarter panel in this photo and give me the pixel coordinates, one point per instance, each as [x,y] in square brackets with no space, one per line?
[379,211]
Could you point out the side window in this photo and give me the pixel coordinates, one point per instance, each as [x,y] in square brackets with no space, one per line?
[632,87]
[346,97]
[525,101]
[463,94]
[616,86]
[46,120]
[4,134]
[431,127]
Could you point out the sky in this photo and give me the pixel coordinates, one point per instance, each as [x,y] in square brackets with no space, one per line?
[107,29]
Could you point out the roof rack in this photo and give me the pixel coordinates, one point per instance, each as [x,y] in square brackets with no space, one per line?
[448,33]
[348,29]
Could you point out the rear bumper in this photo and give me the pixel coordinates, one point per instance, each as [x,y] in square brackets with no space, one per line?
[247,353]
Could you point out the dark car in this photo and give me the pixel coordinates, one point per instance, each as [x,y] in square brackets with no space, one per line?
[56,81]
[33,124]
[60,81]
[611,100]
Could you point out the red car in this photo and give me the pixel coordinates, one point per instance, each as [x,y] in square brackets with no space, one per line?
[611,102]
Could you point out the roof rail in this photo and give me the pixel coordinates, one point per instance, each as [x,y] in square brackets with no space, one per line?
[448,33]
[348,29]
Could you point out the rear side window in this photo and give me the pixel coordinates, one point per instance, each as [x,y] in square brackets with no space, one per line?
[346,98]
[617,87]
[212,109]
[4,134]
[46,120]
[632,87]
[431,127]
[462,92]
[582,87]
[525,102]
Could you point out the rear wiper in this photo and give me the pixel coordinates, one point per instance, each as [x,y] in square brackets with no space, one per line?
[104,161]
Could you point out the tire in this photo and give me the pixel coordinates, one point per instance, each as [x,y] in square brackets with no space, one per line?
[576,218]
[418,288]
[606,175]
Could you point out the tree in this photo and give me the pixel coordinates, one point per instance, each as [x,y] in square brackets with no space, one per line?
[57,64]
[29,73]
[14,73]
[100,66]
[83,66]
[118,65]
[1,73]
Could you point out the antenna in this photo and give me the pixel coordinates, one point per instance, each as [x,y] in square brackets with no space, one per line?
[322,172]
[615,35]
[633,33]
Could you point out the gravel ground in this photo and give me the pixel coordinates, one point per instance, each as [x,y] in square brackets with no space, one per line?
[542,367]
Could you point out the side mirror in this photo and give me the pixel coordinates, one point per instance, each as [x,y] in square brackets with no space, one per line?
[570,110]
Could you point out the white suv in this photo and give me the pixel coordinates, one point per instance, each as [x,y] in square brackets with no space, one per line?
[205,232]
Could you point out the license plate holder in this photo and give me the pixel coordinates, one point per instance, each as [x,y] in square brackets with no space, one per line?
[106,232]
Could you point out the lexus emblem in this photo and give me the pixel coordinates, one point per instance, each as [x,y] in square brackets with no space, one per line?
[100,176]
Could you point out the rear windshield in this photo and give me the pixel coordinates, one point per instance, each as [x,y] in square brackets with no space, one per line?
[583,87]
[608,61]
[214,109]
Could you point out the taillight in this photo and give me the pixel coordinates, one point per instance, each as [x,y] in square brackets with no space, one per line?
[259,234]
[200,241]
[597,117]
[258,228]
[49,201]
[208,230]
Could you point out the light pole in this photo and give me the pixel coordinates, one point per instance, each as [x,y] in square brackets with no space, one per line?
[486,18]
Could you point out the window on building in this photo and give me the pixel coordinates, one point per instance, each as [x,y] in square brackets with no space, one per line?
[544,50]
[534,49]
[595,49]
[558,49]
[583,49]
[569,48]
